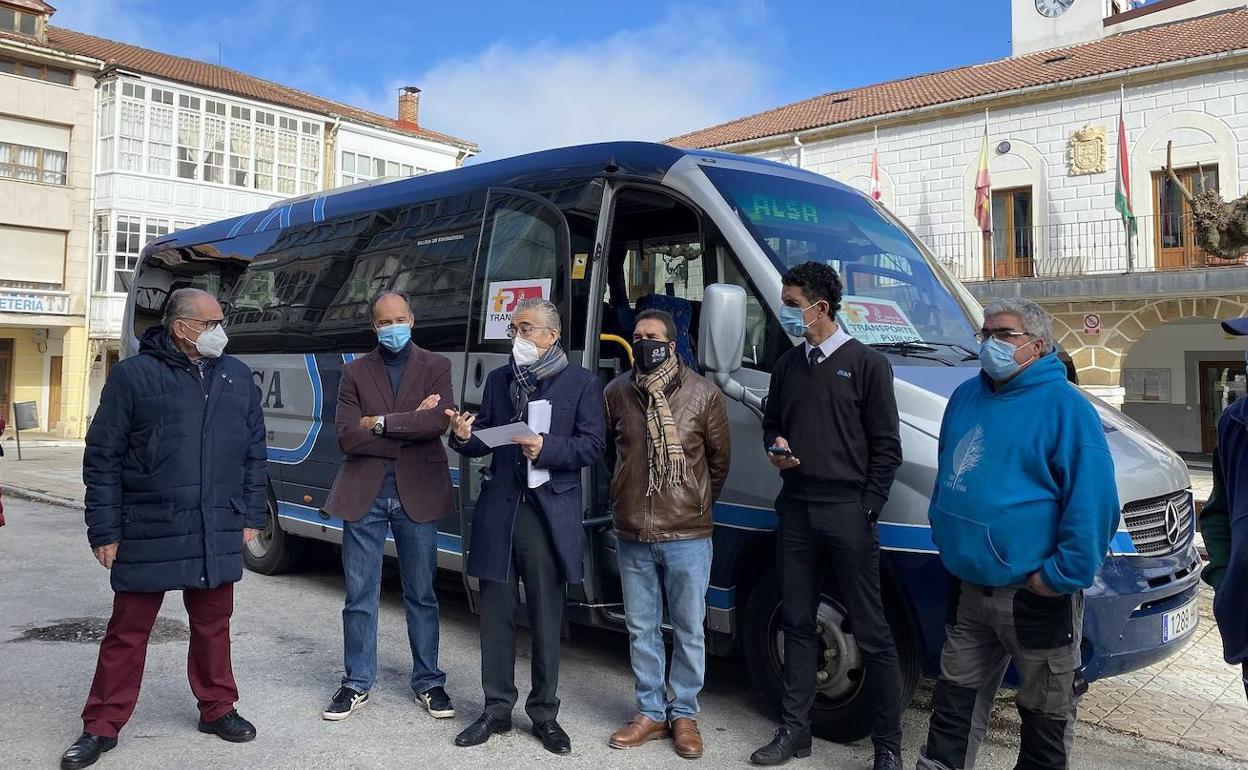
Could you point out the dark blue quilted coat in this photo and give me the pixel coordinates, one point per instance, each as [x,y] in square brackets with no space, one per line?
[175,468]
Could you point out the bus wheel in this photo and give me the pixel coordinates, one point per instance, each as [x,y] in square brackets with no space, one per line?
[842,711]
[274,550]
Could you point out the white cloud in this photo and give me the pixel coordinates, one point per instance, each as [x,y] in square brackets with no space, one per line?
[695,68]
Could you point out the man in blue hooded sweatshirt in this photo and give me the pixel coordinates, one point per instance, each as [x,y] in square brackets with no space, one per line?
[1023,510]
[1228,543]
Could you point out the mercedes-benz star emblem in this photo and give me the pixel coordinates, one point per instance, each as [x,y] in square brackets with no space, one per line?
[1172,523]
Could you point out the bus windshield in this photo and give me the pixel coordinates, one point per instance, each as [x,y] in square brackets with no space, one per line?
[892,295]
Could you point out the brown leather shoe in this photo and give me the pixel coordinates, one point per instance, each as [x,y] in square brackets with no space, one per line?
[638,731]
[688,739]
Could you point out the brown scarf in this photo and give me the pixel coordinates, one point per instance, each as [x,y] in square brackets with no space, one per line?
[667,456]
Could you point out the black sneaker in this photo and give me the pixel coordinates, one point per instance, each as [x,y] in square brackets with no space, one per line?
[436,702]
[345,701]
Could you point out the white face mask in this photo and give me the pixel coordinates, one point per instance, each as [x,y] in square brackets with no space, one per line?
[212,342]
[525,351]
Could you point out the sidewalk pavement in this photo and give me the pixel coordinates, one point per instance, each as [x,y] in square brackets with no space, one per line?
[1192,699]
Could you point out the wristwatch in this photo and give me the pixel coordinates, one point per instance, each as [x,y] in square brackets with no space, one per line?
[379,427]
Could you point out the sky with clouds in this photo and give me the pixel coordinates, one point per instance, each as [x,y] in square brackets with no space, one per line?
[519,76]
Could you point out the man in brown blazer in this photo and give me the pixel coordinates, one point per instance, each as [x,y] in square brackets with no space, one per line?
[394,479]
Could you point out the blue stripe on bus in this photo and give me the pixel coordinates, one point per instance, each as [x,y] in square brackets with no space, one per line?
[264,223]
[447,542]
[721,598]
[239,224]
[301,452]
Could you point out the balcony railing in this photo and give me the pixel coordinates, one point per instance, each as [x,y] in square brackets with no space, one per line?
[1100,247]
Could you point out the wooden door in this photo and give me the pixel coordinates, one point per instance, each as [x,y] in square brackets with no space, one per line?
[1221,383]
[54,391]
[1009,248]
[1174,241]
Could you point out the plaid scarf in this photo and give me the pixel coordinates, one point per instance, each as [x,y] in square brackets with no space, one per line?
[667,456]
[553,361]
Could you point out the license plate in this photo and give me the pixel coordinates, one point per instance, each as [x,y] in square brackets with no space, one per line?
[1177,623]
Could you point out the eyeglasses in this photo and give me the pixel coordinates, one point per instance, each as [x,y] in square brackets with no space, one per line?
[525,330]
[208,323]
[1005,335]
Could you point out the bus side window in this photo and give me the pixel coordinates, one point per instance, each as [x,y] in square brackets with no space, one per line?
[765,341]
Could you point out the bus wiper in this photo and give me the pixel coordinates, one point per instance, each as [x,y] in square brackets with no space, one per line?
[925,346]
[917,349]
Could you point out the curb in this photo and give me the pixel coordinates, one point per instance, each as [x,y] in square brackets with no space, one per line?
[36,496]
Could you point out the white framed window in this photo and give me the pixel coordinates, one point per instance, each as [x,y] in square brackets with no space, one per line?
[240,153]
[160,139]
[287,158]
[266,140]
[155,229]
[103,254]
[128,246]
[162,96]
[214,148]
[264,118]
[188,144]
[309,164]
[133,129]
[407,170]
[213,107]
[182,225]
[311,128]
[288,124]
[187,102]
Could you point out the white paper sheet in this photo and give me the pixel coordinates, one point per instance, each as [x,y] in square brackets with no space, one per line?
[501,435]
[539,422]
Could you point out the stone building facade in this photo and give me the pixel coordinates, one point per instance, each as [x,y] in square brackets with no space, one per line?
[1177,71]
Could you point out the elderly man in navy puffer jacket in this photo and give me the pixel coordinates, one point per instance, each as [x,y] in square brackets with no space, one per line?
[176,485]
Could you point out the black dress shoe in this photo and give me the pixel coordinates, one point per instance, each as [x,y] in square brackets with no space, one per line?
[552,736]
[85,751]
[480,731]
[886,760]
[783,747]
[231,727]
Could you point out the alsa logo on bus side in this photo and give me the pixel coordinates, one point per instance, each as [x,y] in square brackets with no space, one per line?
[270,385]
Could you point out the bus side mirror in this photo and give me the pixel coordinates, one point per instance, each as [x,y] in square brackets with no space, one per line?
[721,330]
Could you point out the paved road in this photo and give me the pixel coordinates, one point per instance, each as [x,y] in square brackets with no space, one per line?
[287,659]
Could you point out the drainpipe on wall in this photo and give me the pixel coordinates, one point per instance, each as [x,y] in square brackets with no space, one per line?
[801,151]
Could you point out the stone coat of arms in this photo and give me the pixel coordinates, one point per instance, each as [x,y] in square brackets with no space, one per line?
[1089,151]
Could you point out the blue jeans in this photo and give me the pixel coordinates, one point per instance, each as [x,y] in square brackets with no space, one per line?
[681,569]
[363,544]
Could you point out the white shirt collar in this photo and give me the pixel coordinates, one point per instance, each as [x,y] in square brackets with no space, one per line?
[831,344]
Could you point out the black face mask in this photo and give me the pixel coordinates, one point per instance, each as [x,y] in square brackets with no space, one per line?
[649,355]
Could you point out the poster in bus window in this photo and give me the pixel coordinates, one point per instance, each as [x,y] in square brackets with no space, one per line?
[501,301]
[874,321]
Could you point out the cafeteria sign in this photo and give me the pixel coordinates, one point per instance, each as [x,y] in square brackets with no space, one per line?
[40,303]
[876,321]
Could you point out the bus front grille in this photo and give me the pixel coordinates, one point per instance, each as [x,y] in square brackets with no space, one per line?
[1160,525]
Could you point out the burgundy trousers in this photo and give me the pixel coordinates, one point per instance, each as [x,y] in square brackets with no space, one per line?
[119,670]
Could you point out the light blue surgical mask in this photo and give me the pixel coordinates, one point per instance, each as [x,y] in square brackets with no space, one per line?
[394,337]
[997,359]
[793,320]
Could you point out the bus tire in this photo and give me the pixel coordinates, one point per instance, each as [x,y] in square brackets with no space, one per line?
[842,711]
[274,550]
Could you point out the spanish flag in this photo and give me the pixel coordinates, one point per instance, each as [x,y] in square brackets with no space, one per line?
[983,189]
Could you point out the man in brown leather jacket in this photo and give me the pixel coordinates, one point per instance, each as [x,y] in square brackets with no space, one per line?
[668,434]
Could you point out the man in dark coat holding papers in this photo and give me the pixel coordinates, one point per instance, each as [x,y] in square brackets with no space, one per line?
[527,521]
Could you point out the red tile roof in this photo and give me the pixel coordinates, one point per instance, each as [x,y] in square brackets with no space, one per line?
[1213,34]
[225,80]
